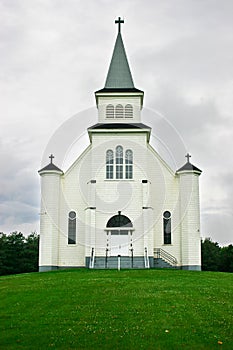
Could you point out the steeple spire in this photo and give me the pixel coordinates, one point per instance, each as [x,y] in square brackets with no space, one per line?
[119,75]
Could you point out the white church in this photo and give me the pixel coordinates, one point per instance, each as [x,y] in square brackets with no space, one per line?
[119,205]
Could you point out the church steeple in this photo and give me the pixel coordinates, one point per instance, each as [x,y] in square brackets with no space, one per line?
[119,75]
[119,101]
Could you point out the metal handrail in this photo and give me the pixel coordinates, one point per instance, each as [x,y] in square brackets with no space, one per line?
[146,259]
[131,249]
[148,262]
[161,253]
[106,258]
[119,262]
[92,259]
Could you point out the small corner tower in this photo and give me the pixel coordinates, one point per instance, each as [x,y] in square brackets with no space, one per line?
[190,215]
[49,221]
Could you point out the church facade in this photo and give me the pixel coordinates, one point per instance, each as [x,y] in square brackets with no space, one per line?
[119,205]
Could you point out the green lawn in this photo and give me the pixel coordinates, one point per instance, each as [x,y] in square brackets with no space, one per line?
[109,309]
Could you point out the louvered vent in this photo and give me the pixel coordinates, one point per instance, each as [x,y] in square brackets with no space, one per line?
[110,111]
[128,111]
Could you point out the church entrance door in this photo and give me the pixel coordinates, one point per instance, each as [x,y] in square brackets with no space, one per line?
[119,243]
[119,235]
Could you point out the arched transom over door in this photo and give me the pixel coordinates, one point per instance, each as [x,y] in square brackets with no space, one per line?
[119,230]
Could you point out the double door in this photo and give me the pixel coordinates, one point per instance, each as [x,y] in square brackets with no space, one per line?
[119,242]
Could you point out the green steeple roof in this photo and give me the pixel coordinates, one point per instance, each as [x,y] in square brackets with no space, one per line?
[119,75]
[119,78]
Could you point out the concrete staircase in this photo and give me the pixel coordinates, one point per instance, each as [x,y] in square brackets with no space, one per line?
[162,264]
[125,262]
[163,259]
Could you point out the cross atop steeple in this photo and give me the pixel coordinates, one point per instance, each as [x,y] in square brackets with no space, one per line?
[188,156]
[119,21]
[51,158]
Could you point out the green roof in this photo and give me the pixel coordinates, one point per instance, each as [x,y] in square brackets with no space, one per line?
[119,75]
[190,167]
[50,167]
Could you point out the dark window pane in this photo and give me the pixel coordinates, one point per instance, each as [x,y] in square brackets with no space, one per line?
[167,214]
[115,232]
[167,227]
[109,164]
[72,228]
[119,221]
[129,164]
[72,215]
[167,230]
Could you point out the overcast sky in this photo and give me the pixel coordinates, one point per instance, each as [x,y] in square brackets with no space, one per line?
[55,53]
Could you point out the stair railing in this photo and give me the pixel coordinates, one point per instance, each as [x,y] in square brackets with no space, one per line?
[92,259]
[160,253]
[106,258]
[119,262]
[146,259]
[131,249]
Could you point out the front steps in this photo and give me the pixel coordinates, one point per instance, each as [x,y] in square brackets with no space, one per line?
[161,259]
[159,263]
[126,262]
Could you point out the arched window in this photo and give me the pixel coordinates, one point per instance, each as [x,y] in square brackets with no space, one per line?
[119,111]
[72,228]
[110,111]
[109,164]
[167,227]
[128,164]
[119,221]
[119,162]
[128,111]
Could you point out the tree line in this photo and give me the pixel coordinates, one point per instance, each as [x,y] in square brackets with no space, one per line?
[216,258]
[19,254]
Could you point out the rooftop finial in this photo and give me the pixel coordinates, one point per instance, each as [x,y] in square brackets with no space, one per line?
[119,21]
[51,158]
[188,156]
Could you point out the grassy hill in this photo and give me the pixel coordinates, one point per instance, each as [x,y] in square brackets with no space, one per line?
[144,309]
